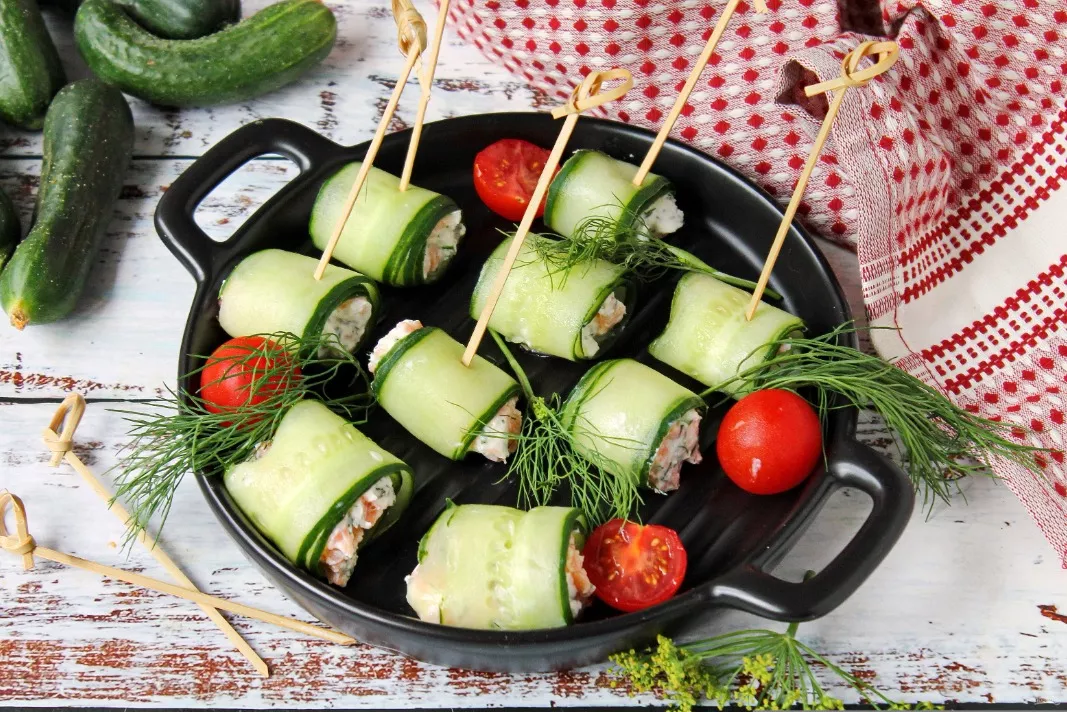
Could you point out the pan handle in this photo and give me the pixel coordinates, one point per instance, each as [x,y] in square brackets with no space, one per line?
[174,216]
[852,464]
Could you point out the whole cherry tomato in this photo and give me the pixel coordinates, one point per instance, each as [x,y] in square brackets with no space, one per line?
[769,441]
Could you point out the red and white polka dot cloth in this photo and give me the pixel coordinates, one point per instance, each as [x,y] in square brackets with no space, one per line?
[948,174]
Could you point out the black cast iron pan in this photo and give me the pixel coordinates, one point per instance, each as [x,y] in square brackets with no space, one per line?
[733,539]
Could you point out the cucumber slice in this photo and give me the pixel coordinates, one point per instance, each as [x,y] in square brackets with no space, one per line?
[487,566]
[309,476]
[620,412]
[388,233]
[592,184]
[708,337]
[274,291]
[546,313]
[422,383]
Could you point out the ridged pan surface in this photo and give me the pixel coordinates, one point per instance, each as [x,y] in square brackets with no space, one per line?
[732,538]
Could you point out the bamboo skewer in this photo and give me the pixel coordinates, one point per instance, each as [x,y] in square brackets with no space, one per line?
[58,437]
[22,544]
[411,37]
[426,85]
[585,96]
[851,76]
[687,88]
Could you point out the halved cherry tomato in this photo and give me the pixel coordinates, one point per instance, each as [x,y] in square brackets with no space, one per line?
[634,566]
[505,175]
[769,441]
[246,371]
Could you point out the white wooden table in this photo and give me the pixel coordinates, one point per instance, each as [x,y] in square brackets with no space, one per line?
[962,609]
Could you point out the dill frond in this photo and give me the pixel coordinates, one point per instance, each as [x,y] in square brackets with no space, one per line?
[629,242]
[180,434]
[547,461]
[937,435]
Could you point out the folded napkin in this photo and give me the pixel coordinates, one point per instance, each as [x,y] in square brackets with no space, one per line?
[944,174]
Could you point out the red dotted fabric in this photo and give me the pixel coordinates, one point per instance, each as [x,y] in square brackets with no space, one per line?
[944,174]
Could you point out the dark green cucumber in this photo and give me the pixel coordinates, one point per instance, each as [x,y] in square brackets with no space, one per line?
[88,139]
[258,55]
[172,19]
[30,71]
[10,230]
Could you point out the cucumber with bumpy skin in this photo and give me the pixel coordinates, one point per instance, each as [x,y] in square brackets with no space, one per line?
[303,482]
[256,56]
[487,566]
[10,229]
[273,291]
[708,336]
[172,19]
[88,139]
[30,70]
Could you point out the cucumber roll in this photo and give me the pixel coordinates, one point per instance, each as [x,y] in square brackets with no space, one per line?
[573,315]
[635,422]
[420,380]
[274,291]
[320,490]
[708,337]
[402,238]
[488,566]
[593,185]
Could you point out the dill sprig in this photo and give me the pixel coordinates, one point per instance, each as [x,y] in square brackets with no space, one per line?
[937,435]
[546,459]
[180,434]
[752,669]
[628,242]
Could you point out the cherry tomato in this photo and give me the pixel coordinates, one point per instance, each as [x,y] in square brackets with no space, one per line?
[769,441]
[245,371]
[505,175]
[634,566]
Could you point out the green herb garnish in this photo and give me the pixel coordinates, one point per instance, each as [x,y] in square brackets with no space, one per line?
[546,459]
[630,244]
[182,435]
[937,435]
[752,669]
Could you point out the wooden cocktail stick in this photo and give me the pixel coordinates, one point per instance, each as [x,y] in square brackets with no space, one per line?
[22,544]
[426,85]
[585,96]
[687,89]
[851,76]
[58,437]
[411,36]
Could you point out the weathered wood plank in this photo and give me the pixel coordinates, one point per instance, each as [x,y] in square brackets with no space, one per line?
[123,340]
[939,620]
[343,98]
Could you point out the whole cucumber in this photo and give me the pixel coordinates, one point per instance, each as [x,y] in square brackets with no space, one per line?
[253,57]
[88,139]
[30,71]
[172,19]
[10,230]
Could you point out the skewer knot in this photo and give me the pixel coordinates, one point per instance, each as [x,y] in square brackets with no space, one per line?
[59,435]
[411,27]
[20,543]
[589,93]
[851,74]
